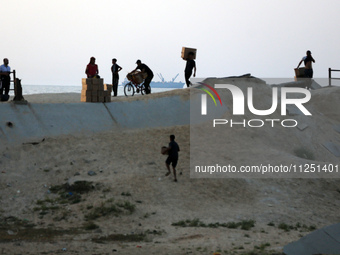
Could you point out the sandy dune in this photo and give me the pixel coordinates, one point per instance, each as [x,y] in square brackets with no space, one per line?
[130,174]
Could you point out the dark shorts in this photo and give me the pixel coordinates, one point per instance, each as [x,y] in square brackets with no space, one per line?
[172,160]
[309,73]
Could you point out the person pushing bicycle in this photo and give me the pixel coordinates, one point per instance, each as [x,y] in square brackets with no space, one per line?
[145,69]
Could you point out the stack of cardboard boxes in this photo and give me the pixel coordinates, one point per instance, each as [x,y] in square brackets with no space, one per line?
[108,87]
[94,90]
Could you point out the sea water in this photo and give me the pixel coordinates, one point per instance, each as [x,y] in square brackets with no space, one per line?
[44,89]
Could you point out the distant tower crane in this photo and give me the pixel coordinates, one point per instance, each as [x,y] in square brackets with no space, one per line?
[173,79]
[161,77]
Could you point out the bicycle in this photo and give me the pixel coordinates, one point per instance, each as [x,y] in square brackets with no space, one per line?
[135,85]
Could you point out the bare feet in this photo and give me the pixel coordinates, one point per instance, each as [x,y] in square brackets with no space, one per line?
[167,174]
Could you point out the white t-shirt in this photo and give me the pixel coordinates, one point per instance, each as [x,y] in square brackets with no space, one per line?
[4,69]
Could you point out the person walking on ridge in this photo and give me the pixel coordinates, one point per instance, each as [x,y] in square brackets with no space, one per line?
[191,64]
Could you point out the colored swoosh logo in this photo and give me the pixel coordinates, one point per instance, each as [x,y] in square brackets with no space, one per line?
[213,90]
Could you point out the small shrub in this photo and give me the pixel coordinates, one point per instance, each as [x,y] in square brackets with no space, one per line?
[285,227]
[232,225]
[121,238]
[115,209]
[247,224]
[179,224]
[194,223]
[90,226]
[262,246]
[127,206]
[312,228]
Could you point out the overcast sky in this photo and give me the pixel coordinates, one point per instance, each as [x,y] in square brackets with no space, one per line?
[50,42]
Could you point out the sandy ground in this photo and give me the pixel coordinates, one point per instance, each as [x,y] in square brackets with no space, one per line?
[65,98]
[37,218]
[53,98]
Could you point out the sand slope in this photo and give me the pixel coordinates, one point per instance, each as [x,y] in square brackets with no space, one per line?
[129,167]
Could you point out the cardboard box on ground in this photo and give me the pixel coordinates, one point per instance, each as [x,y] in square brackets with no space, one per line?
[299,72]
[94,90]
[185,52]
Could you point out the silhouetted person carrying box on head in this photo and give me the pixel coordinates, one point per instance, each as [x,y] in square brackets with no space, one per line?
[145,69]
[5,71]
[92,69]
[172,150]
[308,64]
[115,68]
[191,64]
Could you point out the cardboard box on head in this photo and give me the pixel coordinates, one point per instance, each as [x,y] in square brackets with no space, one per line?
[185,52]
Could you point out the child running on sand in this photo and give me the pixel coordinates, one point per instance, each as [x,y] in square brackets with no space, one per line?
[172,150]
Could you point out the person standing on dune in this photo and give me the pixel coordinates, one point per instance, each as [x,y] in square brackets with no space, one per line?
[5,71]
[92,69]
[115,68]
[308,64]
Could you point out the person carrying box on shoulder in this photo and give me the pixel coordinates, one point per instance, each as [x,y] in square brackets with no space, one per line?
[191,65]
